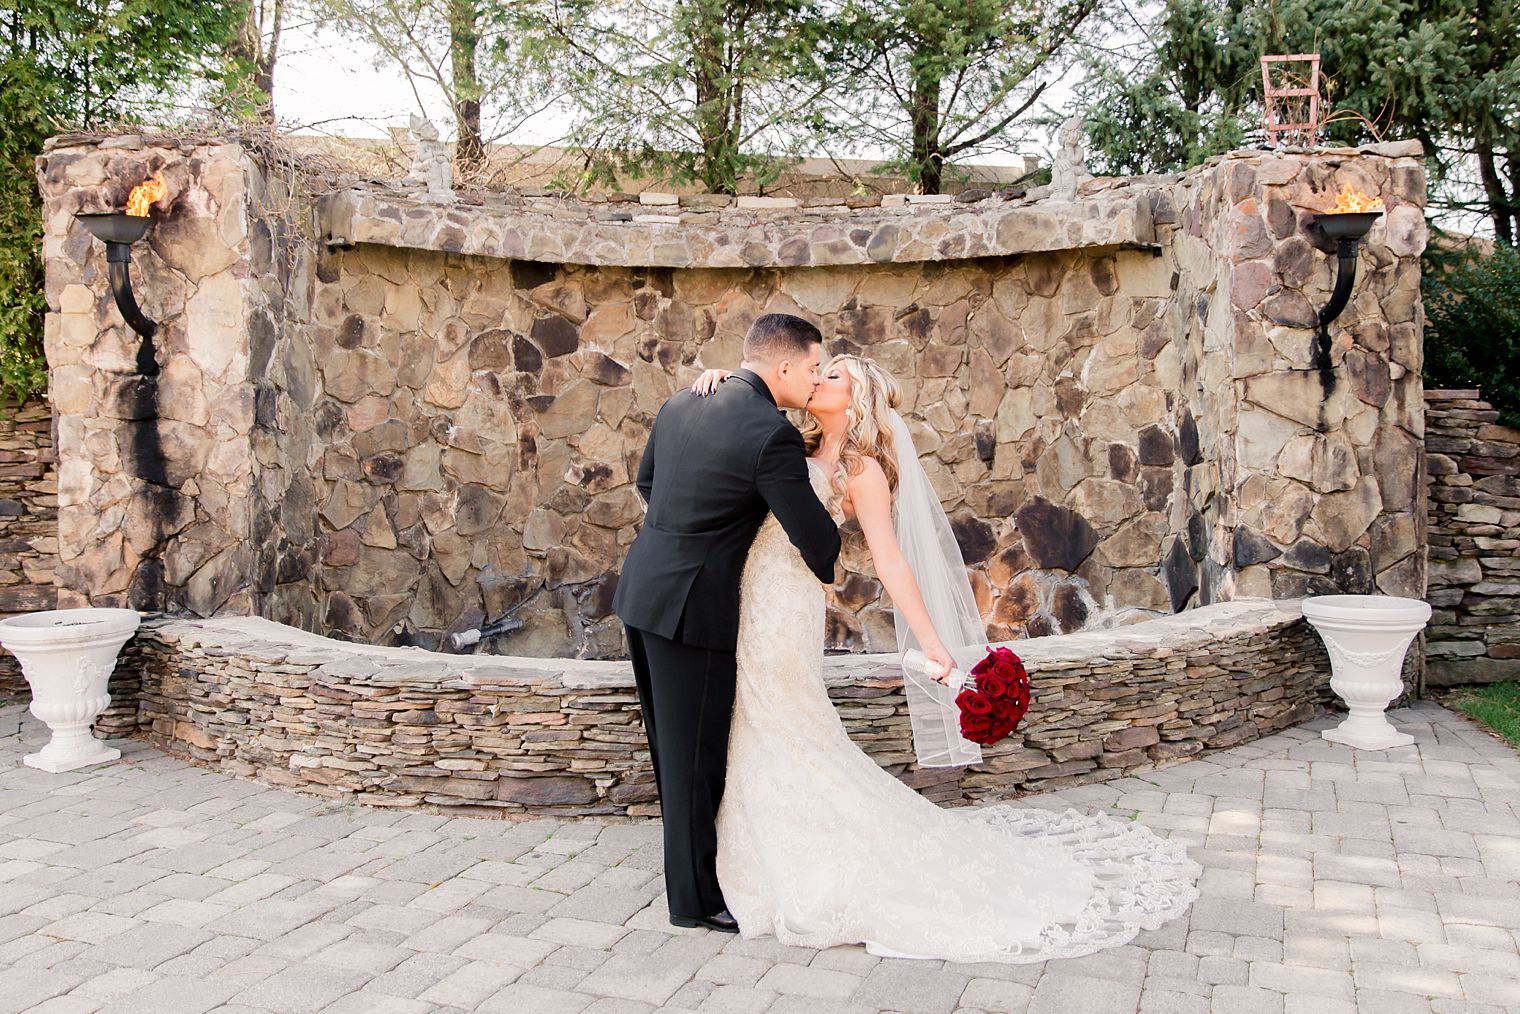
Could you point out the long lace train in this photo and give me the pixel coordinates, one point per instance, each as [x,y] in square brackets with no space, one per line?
[819,846]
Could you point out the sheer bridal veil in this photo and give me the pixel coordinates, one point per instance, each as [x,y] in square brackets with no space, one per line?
[929,547]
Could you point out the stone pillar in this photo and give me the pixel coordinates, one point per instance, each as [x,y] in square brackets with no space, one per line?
[155,471]
[1298,481]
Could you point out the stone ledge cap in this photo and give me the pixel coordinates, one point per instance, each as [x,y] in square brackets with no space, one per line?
[277,644]
[739,237]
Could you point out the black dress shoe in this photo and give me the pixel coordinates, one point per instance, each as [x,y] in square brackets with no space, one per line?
[722,922]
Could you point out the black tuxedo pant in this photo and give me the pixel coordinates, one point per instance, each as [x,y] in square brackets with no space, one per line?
[687,696]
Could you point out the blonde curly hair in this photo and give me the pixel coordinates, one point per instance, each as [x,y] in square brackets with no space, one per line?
[874,395]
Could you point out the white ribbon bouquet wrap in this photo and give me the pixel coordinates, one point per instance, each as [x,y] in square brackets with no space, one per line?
[928,545]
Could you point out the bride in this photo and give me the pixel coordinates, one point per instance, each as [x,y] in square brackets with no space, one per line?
[820,846]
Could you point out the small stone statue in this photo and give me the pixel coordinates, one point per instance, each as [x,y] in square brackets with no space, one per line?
[1069,170]
[431,165]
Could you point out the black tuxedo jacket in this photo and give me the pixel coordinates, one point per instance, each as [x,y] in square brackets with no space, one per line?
[712,469]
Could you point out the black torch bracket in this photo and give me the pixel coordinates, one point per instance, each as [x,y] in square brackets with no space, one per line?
[118,232]
[1347,229]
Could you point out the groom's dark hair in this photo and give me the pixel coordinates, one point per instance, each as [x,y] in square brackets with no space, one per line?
[776,336]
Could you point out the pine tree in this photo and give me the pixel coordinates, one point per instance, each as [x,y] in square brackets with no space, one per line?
[1444,72]
[78,63]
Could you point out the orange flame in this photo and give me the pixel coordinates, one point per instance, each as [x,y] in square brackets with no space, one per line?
[144,194]
[1352,200]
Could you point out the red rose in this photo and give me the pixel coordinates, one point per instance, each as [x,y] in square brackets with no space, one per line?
[986,738]
[1006,663]
[1003,709]
[973,702]
[975,728]
[993,685]
[977,723]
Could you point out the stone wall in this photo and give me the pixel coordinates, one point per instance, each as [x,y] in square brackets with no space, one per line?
[156,477]
[1303,477]
[405,727]
[28,520]
[407,430]
[1474,466]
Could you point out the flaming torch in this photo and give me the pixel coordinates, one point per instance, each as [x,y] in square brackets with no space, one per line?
[1346,223]
[119,231]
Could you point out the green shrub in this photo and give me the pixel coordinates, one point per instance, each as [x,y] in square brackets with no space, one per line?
[82,63]
[1472,327]
[23,102]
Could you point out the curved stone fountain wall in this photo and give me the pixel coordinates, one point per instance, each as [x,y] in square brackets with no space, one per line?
[389,417]
[405,727]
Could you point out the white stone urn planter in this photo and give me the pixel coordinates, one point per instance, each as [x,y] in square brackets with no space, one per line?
[1366,637]
[67,656]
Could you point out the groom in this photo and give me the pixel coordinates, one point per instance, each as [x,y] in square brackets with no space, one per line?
[712,470]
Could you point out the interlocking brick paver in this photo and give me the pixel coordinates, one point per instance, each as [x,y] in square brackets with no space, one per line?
[173,993]
[519,998]
[557,976]
[471,984]
[147,945]
[184,912]
[1383,1001]
[416,974]
[799,980]
[1245,1000]
[612,1005]
[90,927]
[579,932]
[67,1004]
[116,983]
[1234,916]
[737,999]
[1170,1001]
[1059,993]
[853,958]
[357,954]
[365,1001]
[805,1005]
[648,978]
[919,986]
[996,994]
[1495,989]
[1337,882]
[1314,1003]
[302,988]
[1302,979]
[734,970]
[691,996]
[1220,970]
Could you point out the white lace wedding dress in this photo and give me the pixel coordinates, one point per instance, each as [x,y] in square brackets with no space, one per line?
[819,846]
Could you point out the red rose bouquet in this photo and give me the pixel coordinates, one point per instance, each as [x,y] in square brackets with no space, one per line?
[994,697]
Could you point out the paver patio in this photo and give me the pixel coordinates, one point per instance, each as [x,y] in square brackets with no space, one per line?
[1335,882]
